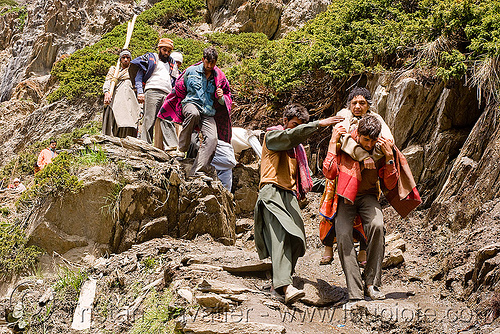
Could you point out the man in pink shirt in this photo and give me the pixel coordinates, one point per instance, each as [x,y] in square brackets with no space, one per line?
[46,155]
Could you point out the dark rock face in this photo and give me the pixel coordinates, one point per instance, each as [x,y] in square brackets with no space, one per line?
[54,28]
[107,215]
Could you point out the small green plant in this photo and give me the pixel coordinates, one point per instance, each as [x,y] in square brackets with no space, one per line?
[12,7]
[112,206]
[15,255]
[69,279]
[158,315]
[92,156]
[4,211]
[55,179]
[149,263]
[7,3]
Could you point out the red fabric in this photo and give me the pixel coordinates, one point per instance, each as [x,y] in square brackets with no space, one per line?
[398,185]
[405,197]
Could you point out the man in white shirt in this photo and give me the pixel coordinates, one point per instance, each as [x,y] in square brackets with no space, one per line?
[154,80]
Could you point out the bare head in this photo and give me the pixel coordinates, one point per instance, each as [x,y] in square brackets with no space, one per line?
[369,128]
[359,101]
[209,59]
[295,114]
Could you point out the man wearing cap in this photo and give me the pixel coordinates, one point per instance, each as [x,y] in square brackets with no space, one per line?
[122,109]
[177,57]
[17,186]
[156,75]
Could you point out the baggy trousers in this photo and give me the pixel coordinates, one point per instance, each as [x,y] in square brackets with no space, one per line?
[279,244]
[193,118]
[370,211]
[153,100]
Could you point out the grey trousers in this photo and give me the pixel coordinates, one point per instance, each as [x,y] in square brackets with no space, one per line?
[279,244]
[370,211]
[193,118]
[153,100]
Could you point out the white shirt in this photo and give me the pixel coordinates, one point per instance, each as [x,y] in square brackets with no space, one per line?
[160,79]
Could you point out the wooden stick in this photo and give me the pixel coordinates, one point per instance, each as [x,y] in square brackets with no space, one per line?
[130,28]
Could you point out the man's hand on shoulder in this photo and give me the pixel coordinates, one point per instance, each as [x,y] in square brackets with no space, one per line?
[330,121]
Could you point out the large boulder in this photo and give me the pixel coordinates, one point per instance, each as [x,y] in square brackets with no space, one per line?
[430,123]
[246,187]
[120,206]
[297,12]
[236,16]
[75,220]
[273,18]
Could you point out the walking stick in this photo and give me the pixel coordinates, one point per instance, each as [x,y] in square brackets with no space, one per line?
[130,28]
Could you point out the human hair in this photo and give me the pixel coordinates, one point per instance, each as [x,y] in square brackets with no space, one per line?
[356,91]
[296,110]
[53,141]
[369,126]
[210,54]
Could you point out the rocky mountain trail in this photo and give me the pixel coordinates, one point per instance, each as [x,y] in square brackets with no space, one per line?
[225,288]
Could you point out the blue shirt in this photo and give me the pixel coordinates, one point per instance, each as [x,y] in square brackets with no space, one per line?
[200,90]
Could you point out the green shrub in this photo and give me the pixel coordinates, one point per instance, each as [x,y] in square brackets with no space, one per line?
[24,163]
[15,256]
[357,36]
[158,315]
[7,3]
[243,44]
[70,279]
[4,211]
[55,179]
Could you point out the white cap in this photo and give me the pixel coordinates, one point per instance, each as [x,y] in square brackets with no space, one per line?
[16,180]
[177,56]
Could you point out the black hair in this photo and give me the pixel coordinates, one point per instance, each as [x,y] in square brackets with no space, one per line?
[359,91]
[210,54]
[296,110]
[369,126]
